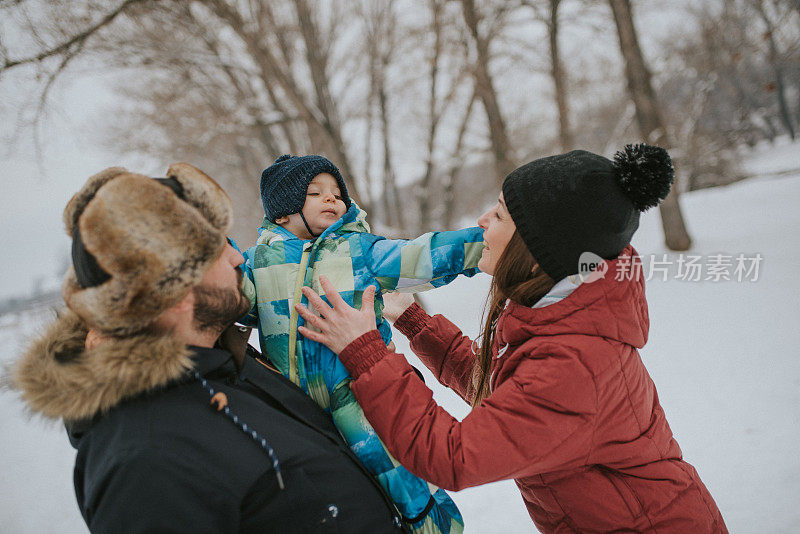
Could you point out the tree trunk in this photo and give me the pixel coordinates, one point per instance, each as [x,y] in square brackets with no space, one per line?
[484,86]
[380,44]
[458,163]
[775,63]
[320,117]
[648,116]
[318,67]
[391,196]
[423,192]
[368,140]
[559,80]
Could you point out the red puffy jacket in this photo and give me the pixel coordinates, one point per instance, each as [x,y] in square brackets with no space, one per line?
[573,416]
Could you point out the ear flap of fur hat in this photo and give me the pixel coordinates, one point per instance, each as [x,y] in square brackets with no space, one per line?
[204,194]
[154,244]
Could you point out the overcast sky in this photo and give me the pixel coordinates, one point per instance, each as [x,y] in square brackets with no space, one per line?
[34,194]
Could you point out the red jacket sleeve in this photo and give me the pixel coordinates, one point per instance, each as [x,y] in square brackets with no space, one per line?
[442,347]
[539,420]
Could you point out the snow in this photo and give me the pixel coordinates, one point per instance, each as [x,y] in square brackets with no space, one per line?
[724,356]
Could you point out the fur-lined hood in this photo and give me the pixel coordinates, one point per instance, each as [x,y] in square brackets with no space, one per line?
[58,379]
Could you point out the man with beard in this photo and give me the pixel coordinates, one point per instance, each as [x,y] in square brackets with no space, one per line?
[173,433]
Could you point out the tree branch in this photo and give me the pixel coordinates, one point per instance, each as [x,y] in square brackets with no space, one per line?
[78,39]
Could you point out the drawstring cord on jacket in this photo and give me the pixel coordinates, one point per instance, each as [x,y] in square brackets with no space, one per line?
[222,405]
[310,231]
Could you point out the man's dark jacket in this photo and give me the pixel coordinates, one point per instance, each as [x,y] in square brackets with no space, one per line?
[155,456]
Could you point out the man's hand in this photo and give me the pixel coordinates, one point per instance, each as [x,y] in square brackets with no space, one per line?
[394,304]
[339,324]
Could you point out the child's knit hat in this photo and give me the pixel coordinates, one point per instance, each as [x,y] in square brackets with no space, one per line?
[579,202]
[285,182]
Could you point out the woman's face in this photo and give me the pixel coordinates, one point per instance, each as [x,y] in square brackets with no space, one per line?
[498,228]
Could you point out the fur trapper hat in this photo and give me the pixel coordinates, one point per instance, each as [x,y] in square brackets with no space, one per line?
[140,244]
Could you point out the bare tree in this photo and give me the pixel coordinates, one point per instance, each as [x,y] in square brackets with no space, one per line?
[232,84]
[71,45]
[434,115]
[316,108]
[775,60]
[559,78]
[456,164]
[379,20]
[438,105]
[257,73]
[648,115]
[548,13]
[482,33]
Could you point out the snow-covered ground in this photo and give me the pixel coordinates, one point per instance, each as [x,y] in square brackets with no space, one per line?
[724,355]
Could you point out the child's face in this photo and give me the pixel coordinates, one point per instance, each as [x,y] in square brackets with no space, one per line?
[324,206]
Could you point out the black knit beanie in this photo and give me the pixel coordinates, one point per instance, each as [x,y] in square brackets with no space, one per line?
[580,202]
[285,182]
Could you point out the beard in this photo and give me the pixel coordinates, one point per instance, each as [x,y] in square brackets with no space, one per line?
[216,308]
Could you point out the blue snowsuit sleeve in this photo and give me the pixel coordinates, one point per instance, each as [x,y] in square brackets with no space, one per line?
[431,260]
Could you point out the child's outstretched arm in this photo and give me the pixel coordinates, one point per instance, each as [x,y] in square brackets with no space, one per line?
[431,260]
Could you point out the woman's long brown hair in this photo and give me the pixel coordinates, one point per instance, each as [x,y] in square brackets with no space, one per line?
[517,277]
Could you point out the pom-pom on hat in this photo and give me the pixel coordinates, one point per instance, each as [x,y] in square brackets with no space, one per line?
[285,182]
[141,244]
[579,202]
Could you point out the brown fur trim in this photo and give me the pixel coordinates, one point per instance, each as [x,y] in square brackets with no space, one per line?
[58,378]
[204,194]
[78,202]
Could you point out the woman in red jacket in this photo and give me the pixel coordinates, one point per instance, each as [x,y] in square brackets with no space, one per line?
[561,400]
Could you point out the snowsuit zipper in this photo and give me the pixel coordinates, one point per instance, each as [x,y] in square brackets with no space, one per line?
[294,374]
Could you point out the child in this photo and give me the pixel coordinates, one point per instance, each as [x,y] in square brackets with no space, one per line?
[311,227]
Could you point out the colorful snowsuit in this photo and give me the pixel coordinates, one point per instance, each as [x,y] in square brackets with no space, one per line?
[280,264]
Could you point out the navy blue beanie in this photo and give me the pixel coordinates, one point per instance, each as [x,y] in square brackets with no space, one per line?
[285,182]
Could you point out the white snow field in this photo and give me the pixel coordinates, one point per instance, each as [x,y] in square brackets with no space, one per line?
[723,354]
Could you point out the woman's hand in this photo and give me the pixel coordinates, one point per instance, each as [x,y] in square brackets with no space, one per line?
[394,304]
[340,324]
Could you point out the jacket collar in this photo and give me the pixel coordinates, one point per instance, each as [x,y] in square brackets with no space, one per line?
[57,378]
[208,361]
[560,291]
